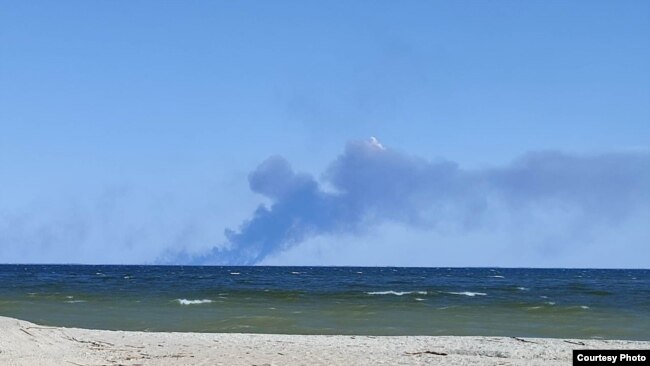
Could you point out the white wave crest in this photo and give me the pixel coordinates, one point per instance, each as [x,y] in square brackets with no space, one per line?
[396,293]
[468,293]
[193,302]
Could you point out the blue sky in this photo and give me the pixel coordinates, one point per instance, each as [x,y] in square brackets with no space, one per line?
[128,130]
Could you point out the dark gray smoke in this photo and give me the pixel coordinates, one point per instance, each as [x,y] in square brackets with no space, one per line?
[370,184]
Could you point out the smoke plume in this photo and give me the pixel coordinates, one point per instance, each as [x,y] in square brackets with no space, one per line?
[369,184]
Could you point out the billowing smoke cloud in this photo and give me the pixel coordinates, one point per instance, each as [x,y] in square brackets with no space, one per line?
[369,185]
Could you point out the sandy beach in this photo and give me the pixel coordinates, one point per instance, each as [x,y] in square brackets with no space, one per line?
[25,343]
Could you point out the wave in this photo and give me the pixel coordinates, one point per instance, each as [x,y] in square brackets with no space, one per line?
[193,302]
[467,293]
[496,276]
[396,293]
[75,301]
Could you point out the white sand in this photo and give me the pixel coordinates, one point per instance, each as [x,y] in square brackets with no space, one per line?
[24,343]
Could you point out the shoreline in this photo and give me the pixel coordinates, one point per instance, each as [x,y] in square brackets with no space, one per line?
[25,343]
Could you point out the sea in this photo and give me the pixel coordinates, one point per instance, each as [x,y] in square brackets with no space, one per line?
[513,302]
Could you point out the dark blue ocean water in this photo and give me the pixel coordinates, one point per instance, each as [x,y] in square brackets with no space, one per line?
[573,303]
